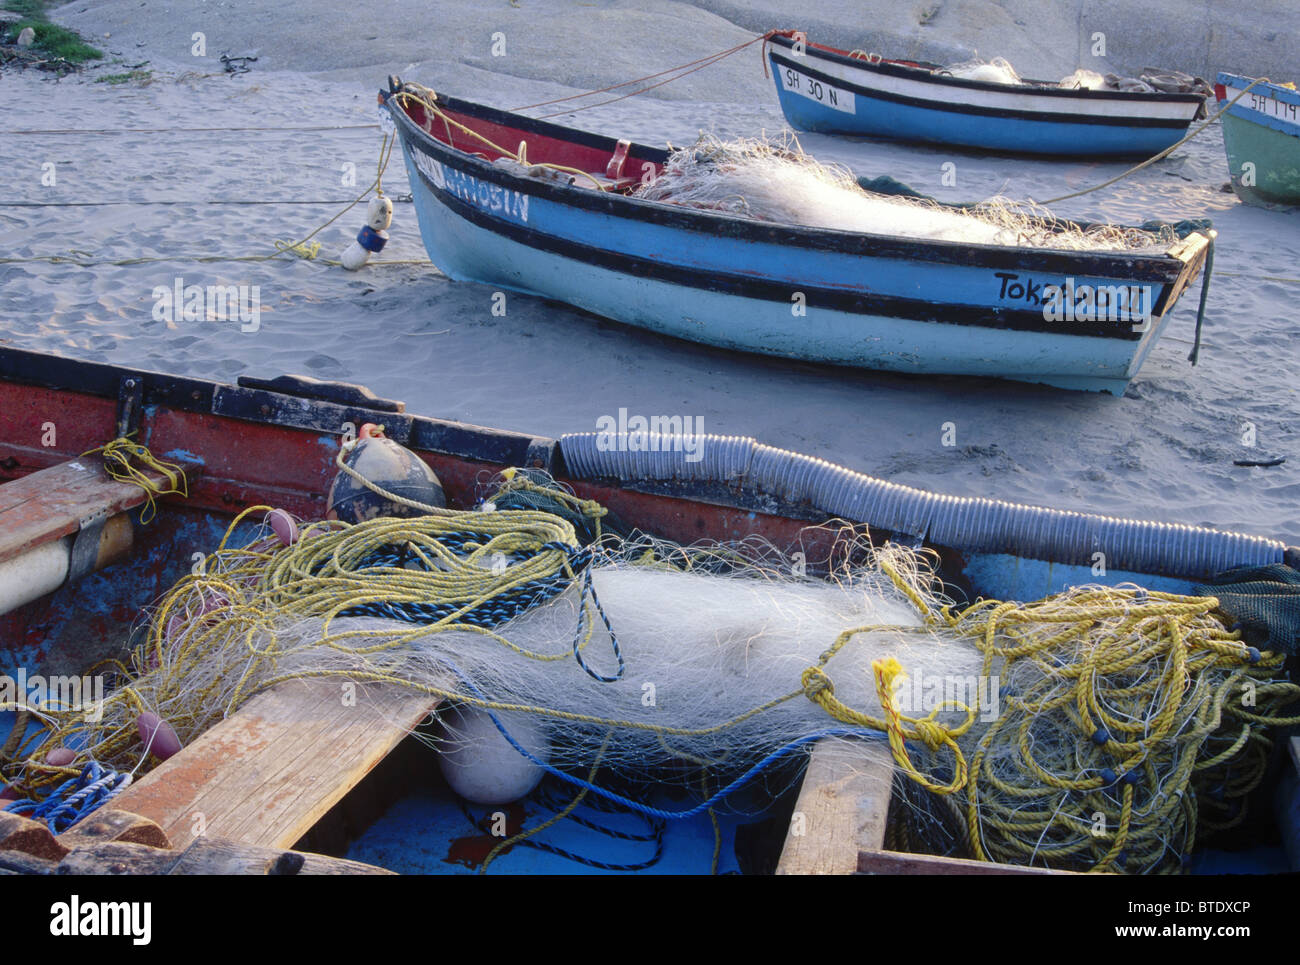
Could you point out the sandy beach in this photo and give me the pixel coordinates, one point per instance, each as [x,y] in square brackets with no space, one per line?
[199,164]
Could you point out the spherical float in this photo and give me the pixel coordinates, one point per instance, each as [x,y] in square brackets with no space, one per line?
[389,466]
[372,237]
[283,525]
[481,765]
[61,757]
[157,735]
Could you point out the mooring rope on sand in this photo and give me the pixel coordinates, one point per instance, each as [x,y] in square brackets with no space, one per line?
[234,202]
[678,72]
[304,248]
[1163,154]
[303,252]
[191,130]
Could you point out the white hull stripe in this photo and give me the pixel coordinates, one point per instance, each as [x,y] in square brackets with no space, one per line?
[1262,105]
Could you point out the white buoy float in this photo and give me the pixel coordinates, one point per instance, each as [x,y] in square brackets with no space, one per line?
[45,568]
[373,235]
[481,765]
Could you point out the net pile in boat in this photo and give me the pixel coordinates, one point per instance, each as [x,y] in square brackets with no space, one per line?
[687,656]
[776,181]
[995,71]
[1100,728]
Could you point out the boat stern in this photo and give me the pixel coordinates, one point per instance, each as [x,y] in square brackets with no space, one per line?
[1195,252]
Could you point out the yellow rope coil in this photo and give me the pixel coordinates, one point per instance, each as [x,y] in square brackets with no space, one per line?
[119,457]
[1134,686]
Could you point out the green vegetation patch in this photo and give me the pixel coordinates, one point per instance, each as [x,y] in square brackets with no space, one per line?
[130,77]
[51,39]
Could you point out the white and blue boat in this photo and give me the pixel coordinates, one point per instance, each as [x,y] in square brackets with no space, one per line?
[871,300]
[840,92]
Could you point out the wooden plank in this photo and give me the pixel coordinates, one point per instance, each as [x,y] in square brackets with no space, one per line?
[50,504]
[206,856]
[22,863]
[875,862]
[841,810]
[110,824]
[18,833]
[267,774]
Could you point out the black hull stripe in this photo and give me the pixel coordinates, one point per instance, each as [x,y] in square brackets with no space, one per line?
[912,73]
[1003,112]
[777,291]
[1157,269]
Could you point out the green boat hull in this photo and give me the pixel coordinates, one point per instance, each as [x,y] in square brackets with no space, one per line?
[1275,156]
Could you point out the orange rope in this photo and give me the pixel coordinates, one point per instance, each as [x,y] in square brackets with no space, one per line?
[762,54]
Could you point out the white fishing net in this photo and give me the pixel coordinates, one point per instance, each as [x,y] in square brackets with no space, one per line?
[995,71]
[711,669]
[774,180]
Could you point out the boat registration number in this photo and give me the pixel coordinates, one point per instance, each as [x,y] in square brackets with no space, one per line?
[1267,105]
[816,90]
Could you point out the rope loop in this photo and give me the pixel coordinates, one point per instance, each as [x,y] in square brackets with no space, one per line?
[815,683]
[120,457]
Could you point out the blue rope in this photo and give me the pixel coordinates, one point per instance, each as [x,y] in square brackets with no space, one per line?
[765,764]
[490,613]
[589,589]
[596,862]
[546,798]
[75,798]
[655,835]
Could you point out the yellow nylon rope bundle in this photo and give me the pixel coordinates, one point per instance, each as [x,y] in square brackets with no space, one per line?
[1138,706]
[119,457]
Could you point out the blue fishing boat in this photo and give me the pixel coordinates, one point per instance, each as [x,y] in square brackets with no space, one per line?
[565,224]
[1261,134]
[841,92]
[291,781]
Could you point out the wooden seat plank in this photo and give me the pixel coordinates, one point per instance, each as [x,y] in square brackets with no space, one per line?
[268,773]
[871,862]
[841,810]
[50,504]
[206,857]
